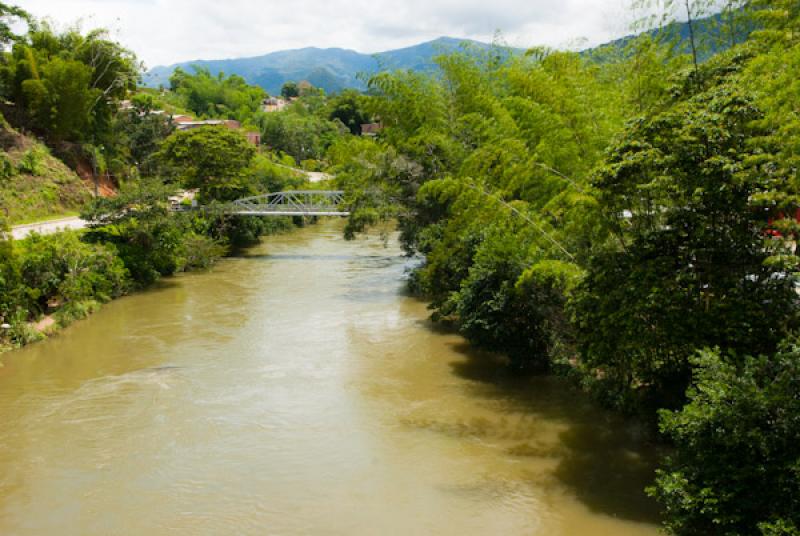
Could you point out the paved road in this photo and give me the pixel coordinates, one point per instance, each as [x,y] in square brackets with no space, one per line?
[317,176]
[47,227]
[52,226]
[312,176]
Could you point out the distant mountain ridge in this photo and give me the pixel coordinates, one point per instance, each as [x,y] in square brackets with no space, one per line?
[334,69]
[331,69]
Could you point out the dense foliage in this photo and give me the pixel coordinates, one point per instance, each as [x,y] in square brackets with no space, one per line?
[735,468]
[614,216]
[303,131]
[58,273]
[678,189]
[289,90]
[140,132]
[348,108]
[217,96]
[212,159]
[67,86]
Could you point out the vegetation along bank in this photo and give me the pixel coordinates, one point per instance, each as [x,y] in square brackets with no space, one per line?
[624,216]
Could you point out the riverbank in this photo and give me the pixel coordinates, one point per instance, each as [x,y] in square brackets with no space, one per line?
[47,282]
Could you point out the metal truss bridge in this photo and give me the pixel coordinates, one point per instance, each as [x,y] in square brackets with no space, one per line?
[291,203]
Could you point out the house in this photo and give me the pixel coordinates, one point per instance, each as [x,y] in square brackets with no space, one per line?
[183,199]
[184,122]
[371,129]
[274,104]
[177,119]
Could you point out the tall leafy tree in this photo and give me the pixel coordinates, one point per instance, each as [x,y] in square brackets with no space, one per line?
[290,90]
[693,266]
[736,466]
[141,130]
[348,107]
[8,15]
[300,133]
[68,85]
[211,158]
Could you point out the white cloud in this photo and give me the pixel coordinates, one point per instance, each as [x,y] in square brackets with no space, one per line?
[169,31]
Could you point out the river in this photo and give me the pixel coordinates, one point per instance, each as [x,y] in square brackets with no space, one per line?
[297,390]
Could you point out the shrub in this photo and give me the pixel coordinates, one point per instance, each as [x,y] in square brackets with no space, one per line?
[9,275]
[21,332]
[736,467]
[200,252]
[7,169]
[64,268]
[32,161]
[138,223]
[75,310]
[268,176]
[311,165]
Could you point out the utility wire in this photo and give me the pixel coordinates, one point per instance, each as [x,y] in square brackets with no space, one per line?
[558,173]
[524,217]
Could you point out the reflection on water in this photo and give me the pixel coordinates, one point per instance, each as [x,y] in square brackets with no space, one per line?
[298,390]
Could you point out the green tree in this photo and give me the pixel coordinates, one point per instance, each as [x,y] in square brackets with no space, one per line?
[141,132]
[691,267]
[769,77]
[218,96]
[139,224]
[8,15]
[68,85]
[59,103]
[736,464]
[348,107]
[289,90]
[213,159]
[494,312]
[300,134]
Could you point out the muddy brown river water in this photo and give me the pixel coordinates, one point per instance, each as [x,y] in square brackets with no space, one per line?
[298,390]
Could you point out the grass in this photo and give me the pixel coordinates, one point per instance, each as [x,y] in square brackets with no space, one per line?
[35,185]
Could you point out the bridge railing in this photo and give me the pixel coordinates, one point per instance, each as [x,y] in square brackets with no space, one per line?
[292,202]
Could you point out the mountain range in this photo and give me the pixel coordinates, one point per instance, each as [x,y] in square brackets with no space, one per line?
[331,69]
[334,69]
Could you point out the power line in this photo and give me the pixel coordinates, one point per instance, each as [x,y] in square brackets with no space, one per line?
[524,217]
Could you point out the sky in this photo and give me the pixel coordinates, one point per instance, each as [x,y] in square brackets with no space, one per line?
[163,32]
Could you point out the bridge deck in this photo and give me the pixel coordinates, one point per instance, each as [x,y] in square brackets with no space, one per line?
[291,203]
[265,212]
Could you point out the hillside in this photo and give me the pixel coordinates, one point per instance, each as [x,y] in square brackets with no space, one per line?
[709,38]
[332,69]
[35,185]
